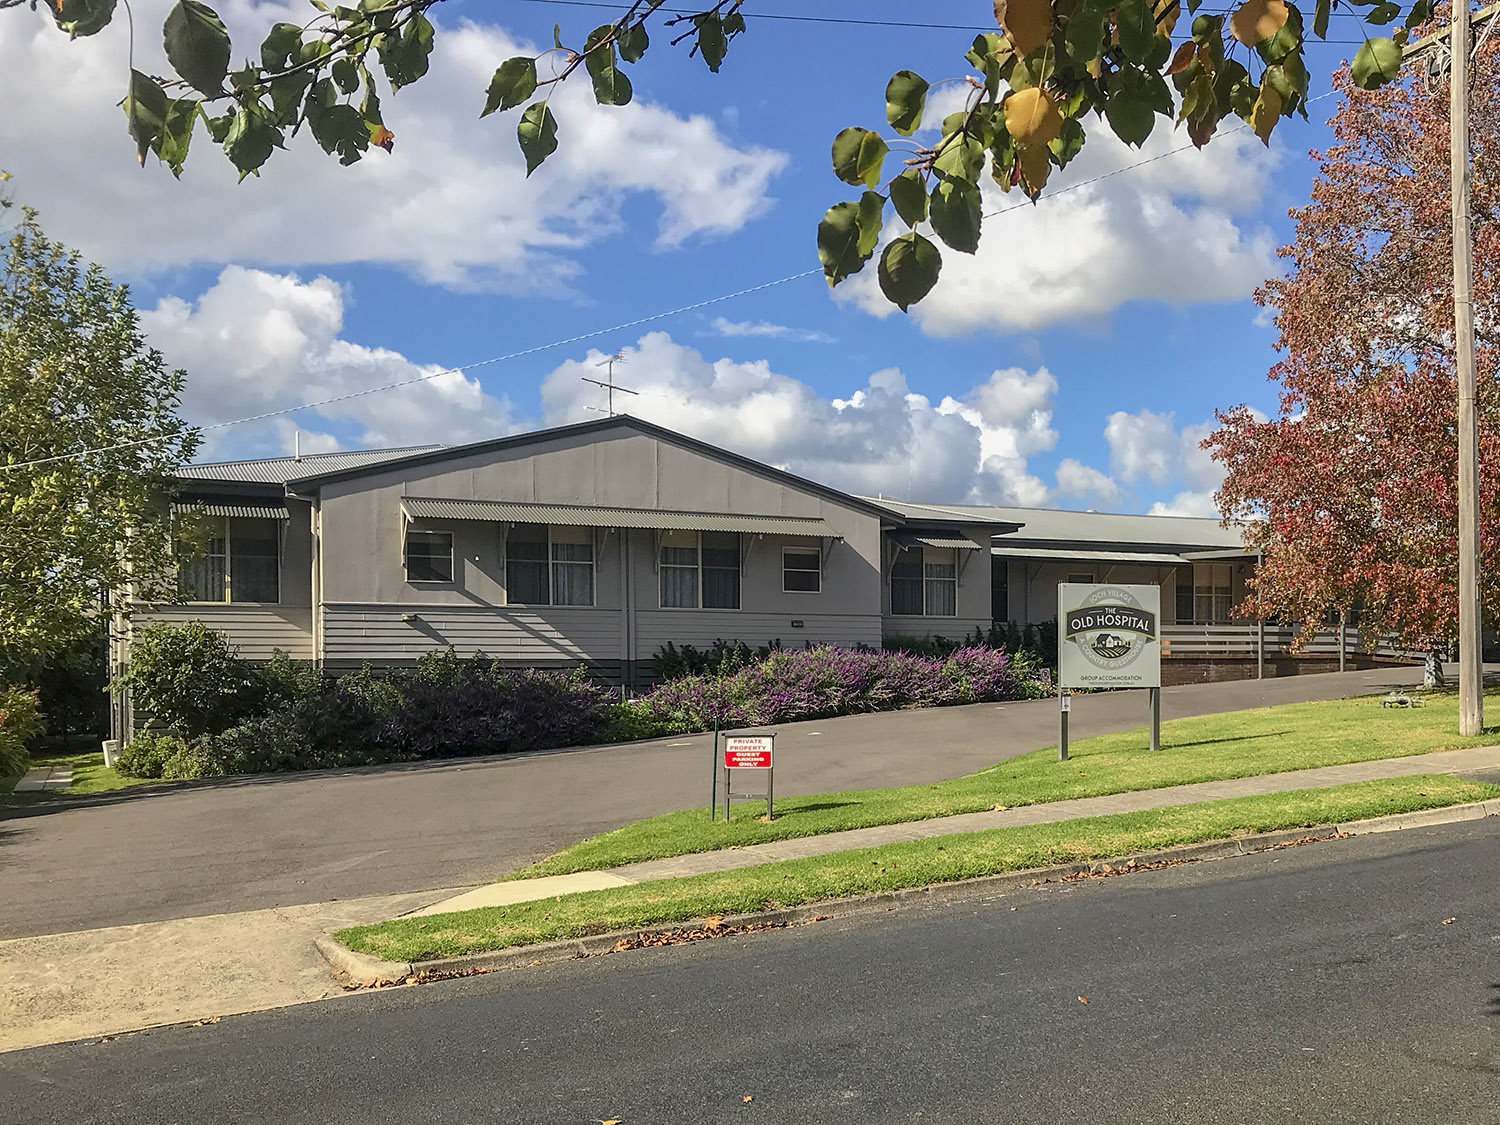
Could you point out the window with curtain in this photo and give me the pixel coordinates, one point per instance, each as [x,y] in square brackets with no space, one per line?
[1213,592]
[255,560]
[721,570]
[679,570]
[801,571]
[572,566]
[526,561]
[906,583]
[940,581]
[205,577]
[429,556]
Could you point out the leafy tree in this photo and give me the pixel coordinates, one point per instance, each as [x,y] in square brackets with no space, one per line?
[74,376]
[1032,82]
[1355,479]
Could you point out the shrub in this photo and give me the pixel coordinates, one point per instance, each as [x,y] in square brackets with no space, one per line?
[21,721]
[188,678]
[160,754]
[284,681]
[722,658]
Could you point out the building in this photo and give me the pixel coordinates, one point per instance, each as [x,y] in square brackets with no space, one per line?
[599,543]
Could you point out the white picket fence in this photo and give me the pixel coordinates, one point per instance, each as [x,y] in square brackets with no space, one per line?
[1245,640]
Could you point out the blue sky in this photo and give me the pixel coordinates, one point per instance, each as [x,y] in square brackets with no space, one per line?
[1043,377]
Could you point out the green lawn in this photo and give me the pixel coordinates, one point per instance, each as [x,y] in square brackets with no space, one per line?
[90,775]
[892,866]
[1208,748]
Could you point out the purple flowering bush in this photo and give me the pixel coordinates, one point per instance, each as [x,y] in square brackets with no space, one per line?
[825,681]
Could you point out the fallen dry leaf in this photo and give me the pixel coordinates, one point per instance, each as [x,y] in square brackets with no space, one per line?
[748,1098]
[215,1019]
[1083,999]
[1449,921]
[611,1121]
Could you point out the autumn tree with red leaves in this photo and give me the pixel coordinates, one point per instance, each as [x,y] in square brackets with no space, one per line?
[1354,482]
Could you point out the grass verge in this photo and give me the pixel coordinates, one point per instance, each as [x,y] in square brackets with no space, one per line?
[916,863]
[90,775]
[1207,748]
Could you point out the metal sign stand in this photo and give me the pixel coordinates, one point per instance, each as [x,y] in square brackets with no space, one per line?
[713,792]
[769,768]
[1065,704]
[1155,717]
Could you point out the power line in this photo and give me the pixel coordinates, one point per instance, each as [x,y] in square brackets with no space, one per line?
[591,334]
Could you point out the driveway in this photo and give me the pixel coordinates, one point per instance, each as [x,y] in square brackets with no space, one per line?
[178,851]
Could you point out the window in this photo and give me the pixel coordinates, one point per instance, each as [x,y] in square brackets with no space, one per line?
[700,569]
[999,588]
[572,566]
[526,565]
[1184,595]
[721,570]
[429,556]
[801,571]
[549,565]
[1213,593]
[924,582]
[241,562]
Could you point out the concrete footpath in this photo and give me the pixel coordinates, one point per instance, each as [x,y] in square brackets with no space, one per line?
[90,983]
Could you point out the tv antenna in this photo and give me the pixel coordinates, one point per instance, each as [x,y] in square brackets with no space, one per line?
[608,382]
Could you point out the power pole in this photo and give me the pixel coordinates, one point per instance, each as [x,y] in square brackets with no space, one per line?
[1470,627]
[608,381]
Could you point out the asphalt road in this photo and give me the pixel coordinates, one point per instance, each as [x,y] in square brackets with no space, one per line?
[1317,983]
[184,850]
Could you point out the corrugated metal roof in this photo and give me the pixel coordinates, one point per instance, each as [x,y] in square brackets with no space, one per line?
[935,539]
[249,511]
[1083,554]
[279,470]
[566,515]
[1082,527]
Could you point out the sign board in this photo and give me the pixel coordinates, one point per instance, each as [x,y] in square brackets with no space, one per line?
[747,753]
[1109,636]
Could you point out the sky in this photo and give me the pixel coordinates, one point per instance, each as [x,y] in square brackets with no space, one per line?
[1075,361]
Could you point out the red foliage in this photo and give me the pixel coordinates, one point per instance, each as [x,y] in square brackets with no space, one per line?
[1354,481]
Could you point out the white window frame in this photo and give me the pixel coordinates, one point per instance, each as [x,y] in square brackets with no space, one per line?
[952,554]
[698,548]
[226,523]
[406,558]
[816,553]
[1213,597]
[551,602]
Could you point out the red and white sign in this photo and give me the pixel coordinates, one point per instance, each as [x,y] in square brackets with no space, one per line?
[747,753]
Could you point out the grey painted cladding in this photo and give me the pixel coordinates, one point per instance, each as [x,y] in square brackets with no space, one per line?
[577,515]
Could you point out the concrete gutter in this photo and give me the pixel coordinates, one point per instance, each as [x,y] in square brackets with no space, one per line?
[363,969]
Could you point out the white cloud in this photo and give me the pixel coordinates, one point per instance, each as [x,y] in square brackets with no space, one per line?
[1186,504]
[257,342]
[882,438]
[1142,444]
[451,205]
[726,327]
[1165,231]
[1077,480]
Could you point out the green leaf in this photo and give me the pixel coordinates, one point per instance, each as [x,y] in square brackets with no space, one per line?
[145,113]
[280,44]
[82,17]
[250,140]
[177,133]
[1069,141]
[1084,35]
[909,269]
[514,82]
[1130,118]
[962,158]
[633,42]
[537,134]
[988,55]
[340,129]
[345,74]
[840,238]
[1383,13]
[1137,29]
[611,87]
[858,155]
[197,45]
[1420,13]
[712,42]
[905,94]
[871,219]
[909,194]
[1377,62]
[287,91]
[406,59]
[956,214]
[1320,18]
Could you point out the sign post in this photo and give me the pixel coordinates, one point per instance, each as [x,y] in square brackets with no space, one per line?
[750,752]
[1064,703]
[713,762]
[1109,637]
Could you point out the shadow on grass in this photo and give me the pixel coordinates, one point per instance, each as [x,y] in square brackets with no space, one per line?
[1216,741]
[793,810]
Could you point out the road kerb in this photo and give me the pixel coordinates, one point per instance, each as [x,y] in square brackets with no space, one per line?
[362,968]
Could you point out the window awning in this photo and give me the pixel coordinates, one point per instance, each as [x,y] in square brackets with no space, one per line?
[246,511]
[1006,550]
[936,539]
[568,515]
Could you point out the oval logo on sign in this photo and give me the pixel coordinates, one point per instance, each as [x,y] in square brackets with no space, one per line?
[1110,628]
